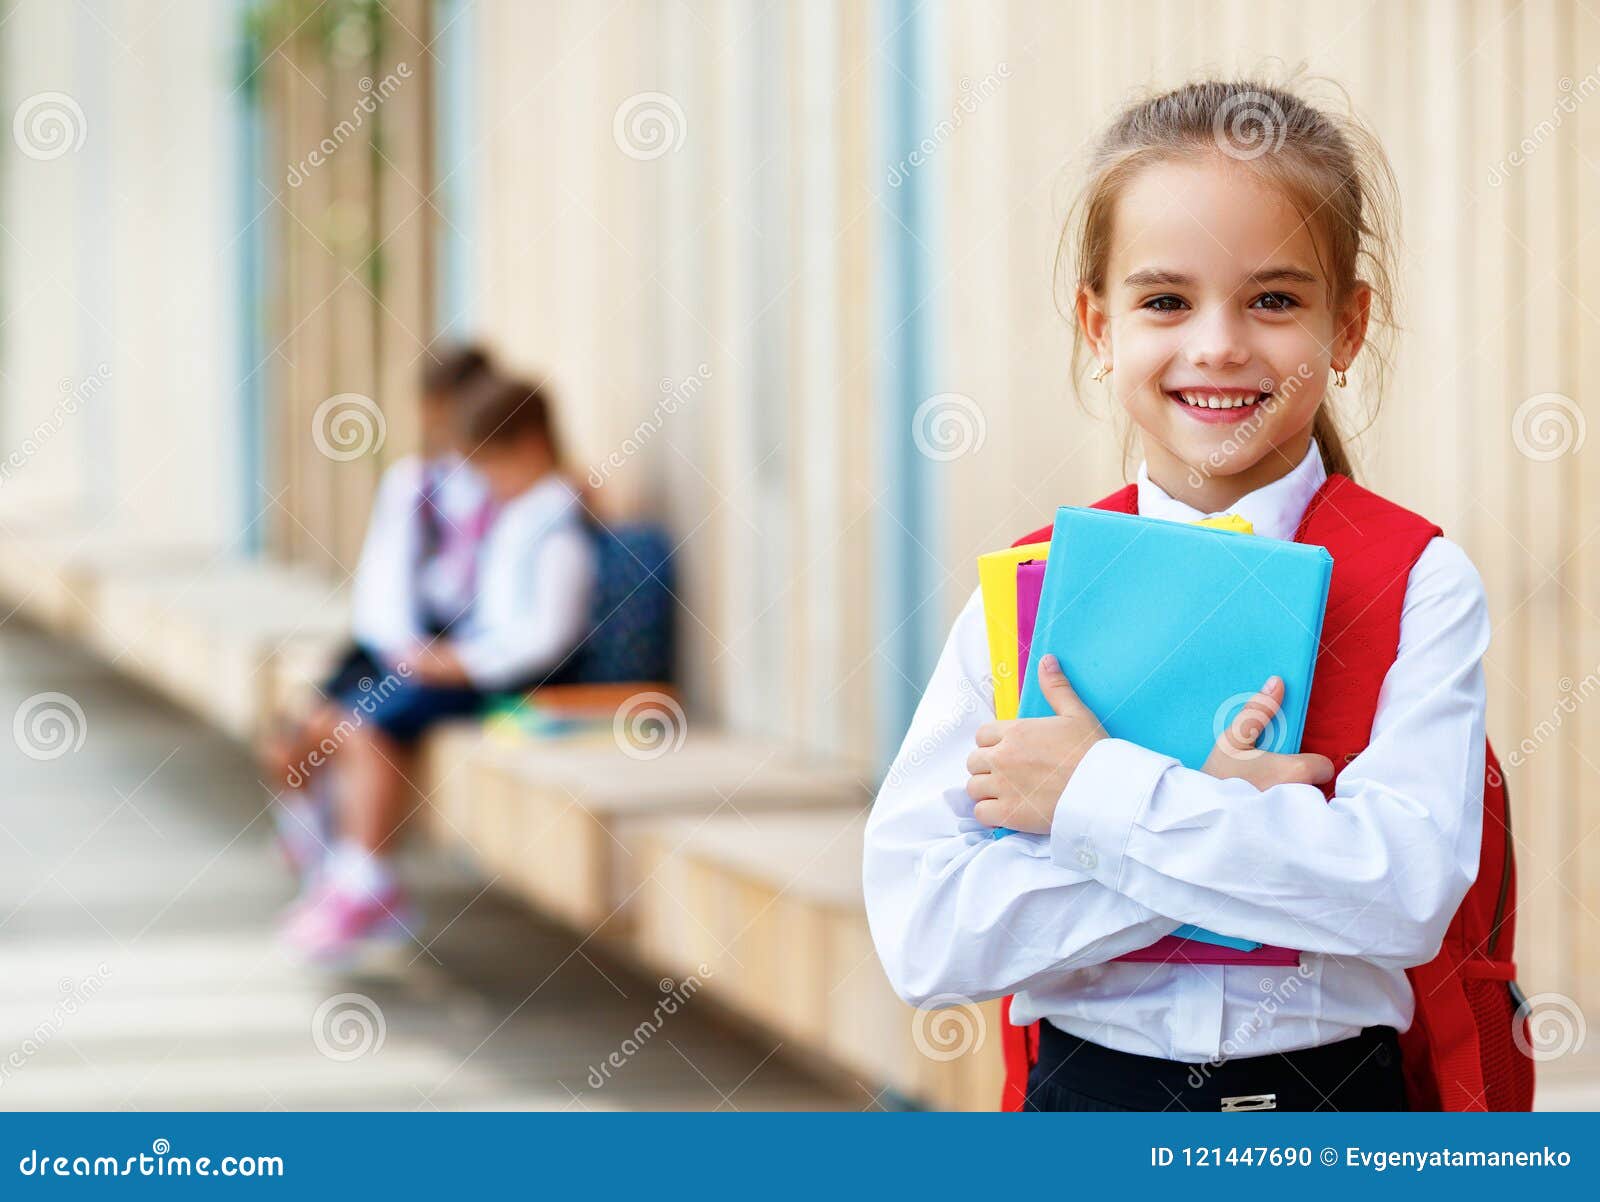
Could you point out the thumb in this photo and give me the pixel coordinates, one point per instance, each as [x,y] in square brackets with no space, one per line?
[1055,686]
[1318,768]
[1241,735]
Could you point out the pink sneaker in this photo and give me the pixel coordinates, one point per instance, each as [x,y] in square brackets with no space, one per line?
[329,925]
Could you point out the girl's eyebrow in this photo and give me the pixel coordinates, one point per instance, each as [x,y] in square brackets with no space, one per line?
[1161,277]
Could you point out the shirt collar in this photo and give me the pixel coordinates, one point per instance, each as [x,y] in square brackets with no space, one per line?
[1274,509]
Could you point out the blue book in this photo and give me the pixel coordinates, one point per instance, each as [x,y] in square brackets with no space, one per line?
[1166,630]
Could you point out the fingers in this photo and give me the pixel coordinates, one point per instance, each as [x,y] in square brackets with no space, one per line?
[989,733]
[980,760]
[1241,734]
[983,787]
[1057,689]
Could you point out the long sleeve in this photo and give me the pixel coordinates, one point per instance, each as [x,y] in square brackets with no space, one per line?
[1376,872]
[954,911]
[384,597]
[534,605]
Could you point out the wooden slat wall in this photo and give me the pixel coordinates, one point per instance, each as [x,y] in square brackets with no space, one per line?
[751,249]
[353,277]
[624,275]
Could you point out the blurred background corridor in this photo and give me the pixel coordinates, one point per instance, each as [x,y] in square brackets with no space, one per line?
[784,271]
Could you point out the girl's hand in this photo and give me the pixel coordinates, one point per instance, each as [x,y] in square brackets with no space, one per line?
[1237,756]
[436,664]
[1021,767]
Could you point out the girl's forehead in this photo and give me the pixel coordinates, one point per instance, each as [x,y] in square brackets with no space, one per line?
[1216,222]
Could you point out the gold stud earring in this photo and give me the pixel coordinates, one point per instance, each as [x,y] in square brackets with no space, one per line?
[1339,378]
[1100,373]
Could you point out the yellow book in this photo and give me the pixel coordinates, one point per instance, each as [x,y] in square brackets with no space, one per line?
[997,581]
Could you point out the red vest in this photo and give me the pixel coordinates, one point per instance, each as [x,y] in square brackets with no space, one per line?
[1459,1051]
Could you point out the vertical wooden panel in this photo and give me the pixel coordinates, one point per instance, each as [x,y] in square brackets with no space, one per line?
[1545,516]
[1585,730]
[406,214]
[855,685]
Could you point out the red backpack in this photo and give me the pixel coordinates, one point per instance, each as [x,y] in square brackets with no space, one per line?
[1461,1051]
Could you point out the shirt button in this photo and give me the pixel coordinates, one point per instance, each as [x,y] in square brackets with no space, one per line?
[1085,855]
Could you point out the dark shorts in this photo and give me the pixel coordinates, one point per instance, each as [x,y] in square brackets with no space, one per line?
[1362,1073]
[402,708]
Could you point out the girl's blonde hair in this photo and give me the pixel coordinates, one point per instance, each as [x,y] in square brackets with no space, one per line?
[1331,168]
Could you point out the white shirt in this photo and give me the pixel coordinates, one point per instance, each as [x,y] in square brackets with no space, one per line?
[396,591]
[1365,885]
[536,579]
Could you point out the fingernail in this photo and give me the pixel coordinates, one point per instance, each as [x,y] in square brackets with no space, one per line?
[1049,663]
[1271,680]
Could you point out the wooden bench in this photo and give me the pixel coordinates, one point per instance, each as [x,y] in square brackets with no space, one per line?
[768,910]
[554,818]
[209,641]
[55,579]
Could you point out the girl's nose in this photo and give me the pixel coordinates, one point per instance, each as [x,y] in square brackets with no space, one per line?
[1216,339]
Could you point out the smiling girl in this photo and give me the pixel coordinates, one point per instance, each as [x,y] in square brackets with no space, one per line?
[1222,282]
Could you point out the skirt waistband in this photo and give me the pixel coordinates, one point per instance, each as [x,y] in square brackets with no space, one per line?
[1360,1073]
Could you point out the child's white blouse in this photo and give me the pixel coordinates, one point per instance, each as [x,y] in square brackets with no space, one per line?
[394,587]
[1365,885]
[536,579]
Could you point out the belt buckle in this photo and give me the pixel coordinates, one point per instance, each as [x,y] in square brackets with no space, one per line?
[1250,1101]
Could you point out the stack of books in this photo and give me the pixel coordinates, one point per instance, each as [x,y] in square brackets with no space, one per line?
[1165,630]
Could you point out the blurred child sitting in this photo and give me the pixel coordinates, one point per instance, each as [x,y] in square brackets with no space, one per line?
[415,577]
[535,584]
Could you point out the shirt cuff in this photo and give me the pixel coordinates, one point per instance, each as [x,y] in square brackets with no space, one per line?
[1108,792]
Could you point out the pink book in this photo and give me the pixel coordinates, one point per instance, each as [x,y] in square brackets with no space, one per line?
[1174,948]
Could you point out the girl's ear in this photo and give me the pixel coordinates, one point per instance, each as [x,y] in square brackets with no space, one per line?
[1350,330]
[1094,323]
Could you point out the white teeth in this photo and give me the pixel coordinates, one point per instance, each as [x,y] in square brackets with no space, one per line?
[1214,402]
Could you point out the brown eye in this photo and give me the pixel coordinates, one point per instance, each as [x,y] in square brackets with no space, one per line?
[1280,302]
[1163,304]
